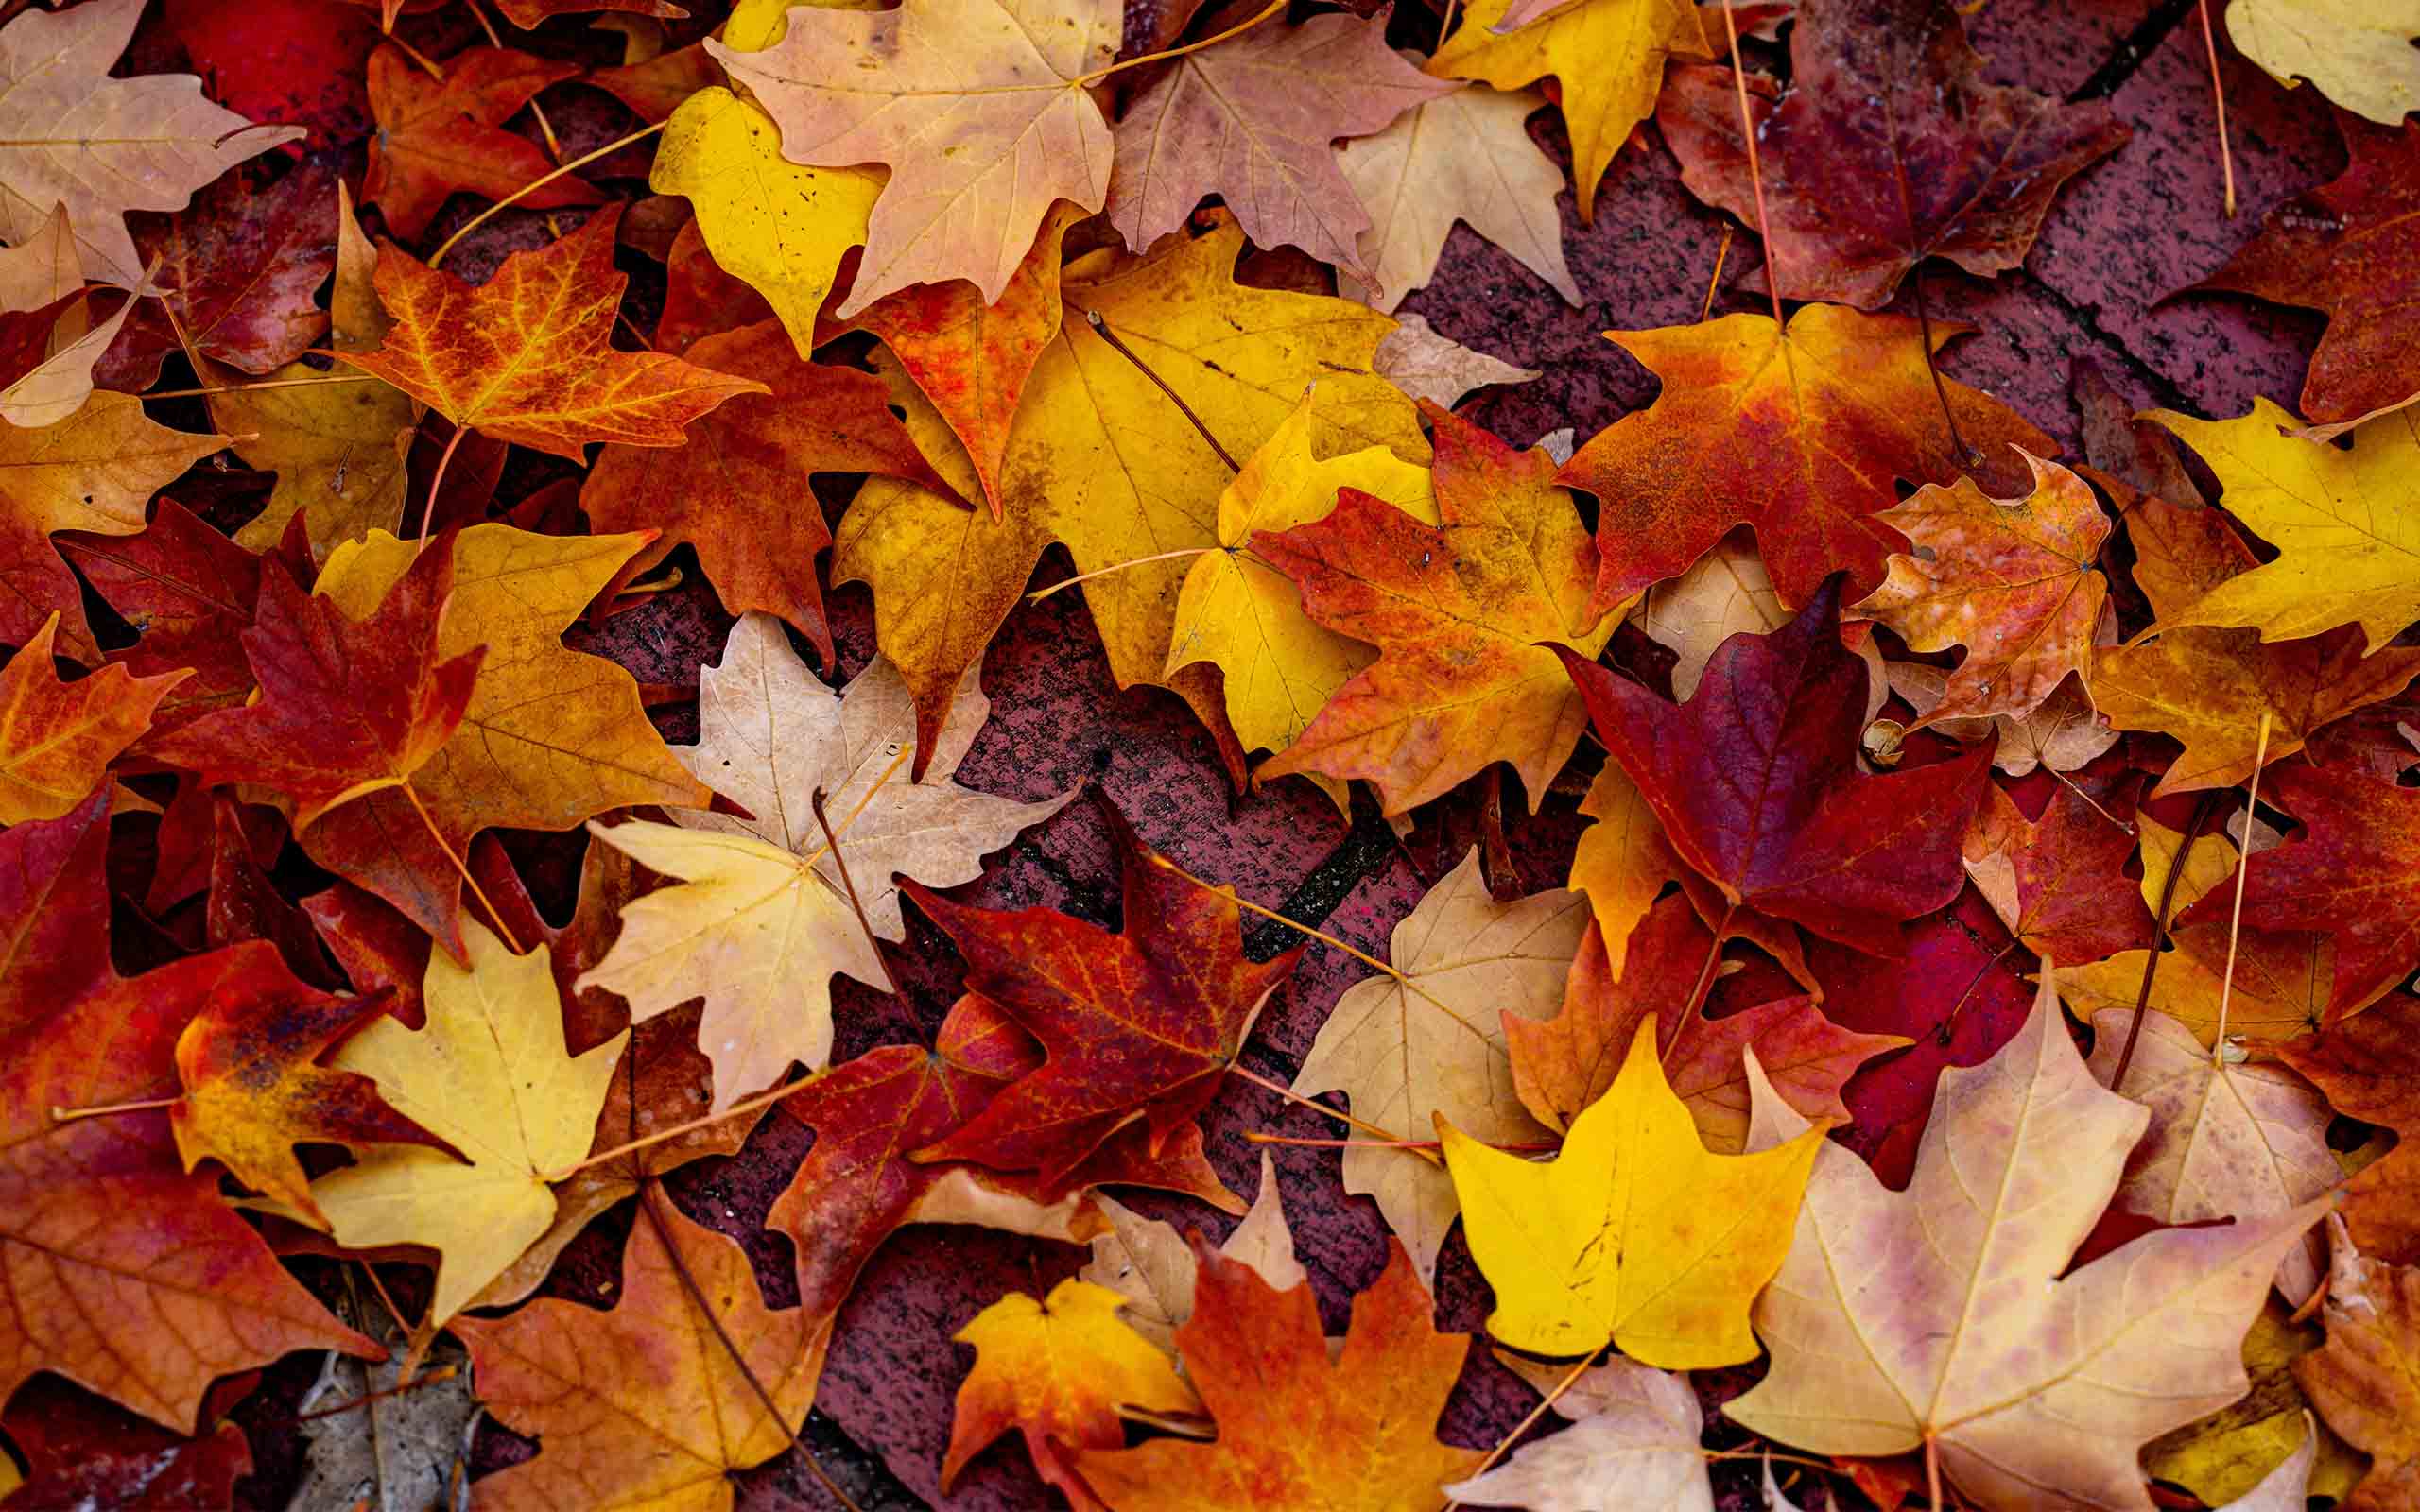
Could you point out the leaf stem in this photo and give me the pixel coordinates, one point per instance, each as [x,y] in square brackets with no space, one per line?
[1041,594]
[1281,1090]
[832,835]
[1756,170]
[68,1115]
[428,506]
[1299,1142]
[478,893]
[1713,279]
[746,1105]
[2201,815]
[832,845]
[443,1372]
[1530,1421]
[540,182]
[1098,74]
[207,389]
[2218,92]
[2235,920]
[1705,986]
[1100,329]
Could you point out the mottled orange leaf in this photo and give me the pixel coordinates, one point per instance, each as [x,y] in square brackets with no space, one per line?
[1803,432]
[737,491]
[439,136]
[126,1275]
[1138,1026]
[1457,612]
[254,1088]
[2368,1066]
[645,1405]
[57,737]
[527,357]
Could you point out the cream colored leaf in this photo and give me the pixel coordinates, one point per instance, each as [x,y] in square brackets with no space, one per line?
[57,386]
[1940,1314]
[1149,1263]
[772,736]
[2239,1142]
[70,134]
[489,1075]
[1406,1051]
[1426,364]
[43,268]
[1632,1444]
[1465,156]
[2063,733]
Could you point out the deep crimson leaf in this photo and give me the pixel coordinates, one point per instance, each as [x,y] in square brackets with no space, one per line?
[2059,882]
[189,591]
[1757,784]
[86,1454]
[1138,1024]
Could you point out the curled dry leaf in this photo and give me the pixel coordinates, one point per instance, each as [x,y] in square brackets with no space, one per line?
[1633,1443]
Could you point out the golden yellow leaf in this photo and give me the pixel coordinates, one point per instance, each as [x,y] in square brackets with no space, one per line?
[2346,523]
[1608,55]
[1238,611]
[2224,1457]
[337,450]
[779,228]
[1622,861]
[1634,1234]
[488,1075]
[2359,53]
[1100,460]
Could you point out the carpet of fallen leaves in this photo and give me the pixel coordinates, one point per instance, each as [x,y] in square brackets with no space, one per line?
[1717,813]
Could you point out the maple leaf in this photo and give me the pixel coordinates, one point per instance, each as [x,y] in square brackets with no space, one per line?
[648,1399]
[131,1276]
[1462,613]
[1562,1066]
[348,707]
[2353,874]
[1940,1316]
[2016,581]
[190,592]
[655,87]
[2368,1068]
[1137,1025]
[551,737]
[103,145]
[731,491]
[779,228]
[1002,80]
[438,136]
[2361,1380]
[1431,1039]
[58,738]
[2226,1139]
[488,1075]
[83,1453]
[1606,55]
[91,472]
[2341,518]
[1803,432]
[1057,1370]
[1249,120]
[2236,1449]
[2209,687]
[1886,150]
[1464,156]
[1151,1266]
[235,273]
[1241,613]
[1099,459]
[2063,733]
[971,359]
[1789,827]
[2359,56]
[1634,1234]
[2059,883]
[1633,1443]
[1295,1430]
[253,1089]
[525,356]
[44,268]
[1425,365]
[763,918]
[2337,249]
[1621,861]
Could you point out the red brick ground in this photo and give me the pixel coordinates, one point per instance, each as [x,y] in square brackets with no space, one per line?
[2122,236]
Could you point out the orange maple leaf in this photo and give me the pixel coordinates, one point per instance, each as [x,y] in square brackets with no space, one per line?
[527,357]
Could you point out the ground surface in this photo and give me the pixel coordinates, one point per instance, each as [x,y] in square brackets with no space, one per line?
[2125,234]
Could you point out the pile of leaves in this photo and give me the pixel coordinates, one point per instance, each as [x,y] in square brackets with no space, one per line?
[392,406]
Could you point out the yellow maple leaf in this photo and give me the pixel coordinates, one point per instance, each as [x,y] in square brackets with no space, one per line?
[776,226]
[488,1075]
[1098,460]
[2359,52]
[2346,523]
[1238,611]
[1057,1370]
[1635,1234]
[1608,55]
